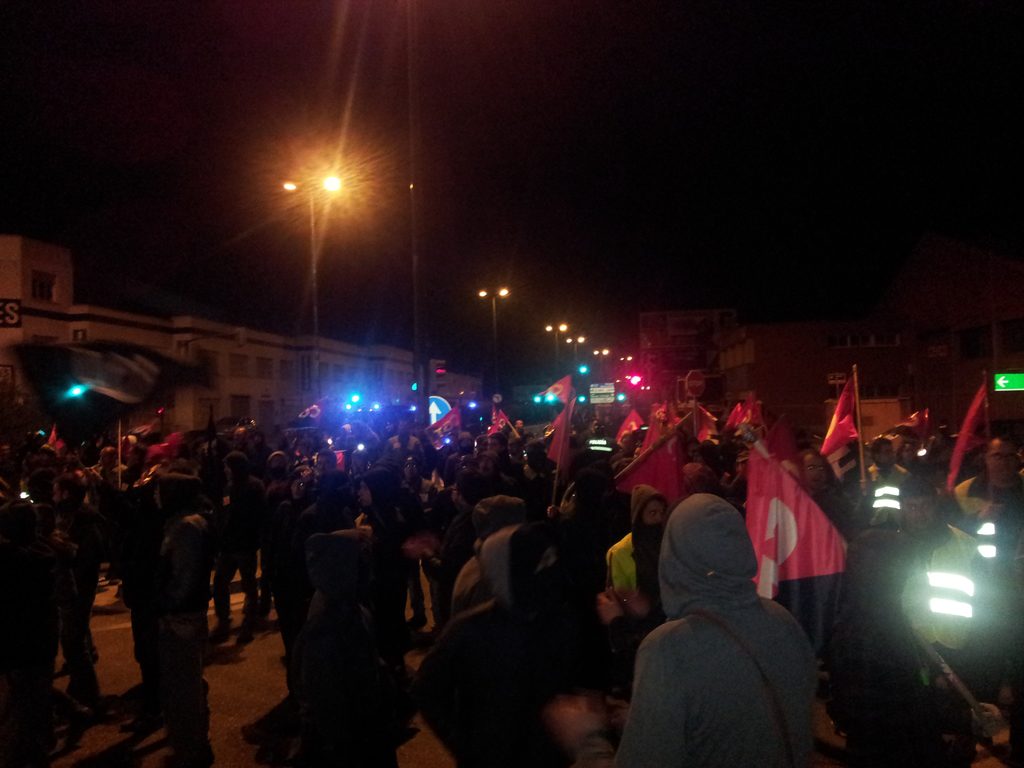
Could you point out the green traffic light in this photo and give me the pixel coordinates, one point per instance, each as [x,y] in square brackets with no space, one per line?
[584,370]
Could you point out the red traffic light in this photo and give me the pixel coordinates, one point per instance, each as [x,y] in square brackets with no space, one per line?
[635,379]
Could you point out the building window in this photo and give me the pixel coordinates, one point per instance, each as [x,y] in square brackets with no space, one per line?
[286,370]
[848,340]
[976,343]
[264,368]
[238,365]
[43,285]
[1012,332]
[79,334]
[241,407]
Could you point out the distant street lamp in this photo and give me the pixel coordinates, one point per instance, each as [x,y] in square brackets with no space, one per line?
[576,346]
[328,185]
[556,329]
[494,295]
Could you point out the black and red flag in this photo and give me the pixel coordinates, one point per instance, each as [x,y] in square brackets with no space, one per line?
[800,554]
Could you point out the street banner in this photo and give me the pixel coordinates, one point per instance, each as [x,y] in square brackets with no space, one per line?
[445,428]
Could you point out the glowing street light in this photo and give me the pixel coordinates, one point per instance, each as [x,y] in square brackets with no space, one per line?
[560,328]
[330,184]
[494,295]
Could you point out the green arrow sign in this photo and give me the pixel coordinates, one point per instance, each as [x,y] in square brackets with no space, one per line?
[1009,382]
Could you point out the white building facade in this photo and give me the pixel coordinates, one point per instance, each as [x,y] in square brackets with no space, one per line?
[254,374]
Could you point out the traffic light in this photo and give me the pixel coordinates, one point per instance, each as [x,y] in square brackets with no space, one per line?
[536,398]
[76,390]
[621,397]
[581,398]
[584,370]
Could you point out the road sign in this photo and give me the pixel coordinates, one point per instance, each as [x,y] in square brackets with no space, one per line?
[496,398]
[837,379]
[1008,382]
[437,407]
[602,394]
[695,382]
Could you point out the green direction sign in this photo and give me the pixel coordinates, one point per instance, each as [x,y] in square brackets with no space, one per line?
[1009,382]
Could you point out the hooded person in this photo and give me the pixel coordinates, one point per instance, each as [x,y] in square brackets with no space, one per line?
[743,672]
[245,518]
[631,606]
[881,696]
[483,685]
[489,516]
[183,596]
[338,676]
[379,496]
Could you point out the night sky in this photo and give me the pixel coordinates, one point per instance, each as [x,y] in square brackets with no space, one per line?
[600,158]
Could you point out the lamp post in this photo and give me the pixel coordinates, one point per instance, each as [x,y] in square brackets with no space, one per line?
[576,346]
[494,295]
[556,329]
[330,185]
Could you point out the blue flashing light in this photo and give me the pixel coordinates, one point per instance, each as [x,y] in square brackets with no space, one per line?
[360,447]
[412,409]
[355,398]
[581,398]
[348,406]
[536,398]
[77,390]
[447,441]
[472,404]
[621,397]
[376,406]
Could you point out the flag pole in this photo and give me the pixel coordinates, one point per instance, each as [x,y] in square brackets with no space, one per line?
[120,443]
[988,422]
[860,432]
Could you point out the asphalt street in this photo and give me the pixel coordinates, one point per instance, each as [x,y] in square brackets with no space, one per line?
[246,681]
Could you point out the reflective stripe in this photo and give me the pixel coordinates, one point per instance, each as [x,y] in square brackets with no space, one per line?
[951,581]
[950,607]
[987,529]
[987,550]
[887,490]
[886,504]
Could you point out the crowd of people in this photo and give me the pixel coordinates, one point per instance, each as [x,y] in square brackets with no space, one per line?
[542,582]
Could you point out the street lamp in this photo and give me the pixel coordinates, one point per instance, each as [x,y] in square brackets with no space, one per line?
[576,345]
[557,329]
[329,185]
[494,295]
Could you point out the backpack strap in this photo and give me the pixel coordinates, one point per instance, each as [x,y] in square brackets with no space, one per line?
[770,692]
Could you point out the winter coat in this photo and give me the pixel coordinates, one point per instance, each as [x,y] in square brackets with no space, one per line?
[483,685]
[717,711]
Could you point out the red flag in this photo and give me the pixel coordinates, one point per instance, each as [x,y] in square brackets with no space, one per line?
[661,423]
[842,428]
[796,546]
[705,428]
[54,441]
[735,416]
[660,467]
[968,436]
[919,422]
[498,420]
[562,389]
[445,428]
[632,423]
[781,443]
[558,452]
[748,411]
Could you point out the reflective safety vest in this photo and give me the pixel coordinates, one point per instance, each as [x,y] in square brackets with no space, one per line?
[885,506]
[939,602]
[987,540]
